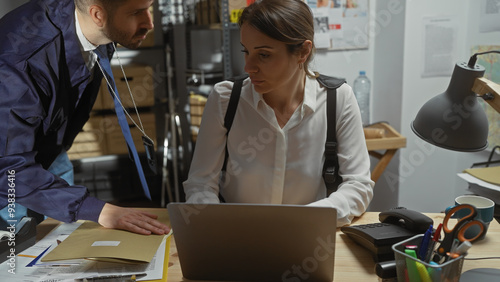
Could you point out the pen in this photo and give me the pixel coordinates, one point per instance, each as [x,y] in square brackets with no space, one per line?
[454,245]
[424,245]
[435,240]
[437,233]
[56,265]
[463,248]
[430,251]
[129,277]
[452,254]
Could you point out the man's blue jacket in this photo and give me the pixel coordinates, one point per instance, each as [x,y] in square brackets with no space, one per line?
[46,96]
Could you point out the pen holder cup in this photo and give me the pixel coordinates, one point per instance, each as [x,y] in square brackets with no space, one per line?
[413,269]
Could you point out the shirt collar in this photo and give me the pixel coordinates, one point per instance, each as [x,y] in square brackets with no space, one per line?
[309,94]
[84,42]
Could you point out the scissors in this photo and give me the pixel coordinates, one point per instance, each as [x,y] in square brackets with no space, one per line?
[458,231]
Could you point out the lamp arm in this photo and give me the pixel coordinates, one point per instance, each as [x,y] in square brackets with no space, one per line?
[483,86]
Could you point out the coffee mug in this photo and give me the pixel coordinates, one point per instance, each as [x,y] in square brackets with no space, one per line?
[485,210]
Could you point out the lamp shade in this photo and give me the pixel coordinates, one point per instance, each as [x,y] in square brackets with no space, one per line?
[454,119]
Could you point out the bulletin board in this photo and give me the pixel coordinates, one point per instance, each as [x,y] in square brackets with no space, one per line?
[488,61]
[340,24]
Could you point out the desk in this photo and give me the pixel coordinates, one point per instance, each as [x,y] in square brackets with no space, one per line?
[353,262]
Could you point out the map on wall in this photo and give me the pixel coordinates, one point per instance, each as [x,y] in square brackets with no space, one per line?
[492,72]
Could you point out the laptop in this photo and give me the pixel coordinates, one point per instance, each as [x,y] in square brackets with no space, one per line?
[254,242]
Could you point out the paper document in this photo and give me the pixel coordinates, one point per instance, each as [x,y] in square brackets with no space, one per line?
[29,266]
[439,41]
[51,238]
[19,271]
[482,188]
[86,269]
[488,174]
[153,270]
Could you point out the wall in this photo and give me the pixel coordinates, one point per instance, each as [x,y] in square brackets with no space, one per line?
[389,22]
[428,178]
[420,176]
[383,64]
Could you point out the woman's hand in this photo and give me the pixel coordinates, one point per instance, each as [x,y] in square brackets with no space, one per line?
[133,220]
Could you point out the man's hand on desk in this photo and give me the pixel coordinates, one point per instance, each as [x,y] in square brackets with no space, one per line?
[133,220]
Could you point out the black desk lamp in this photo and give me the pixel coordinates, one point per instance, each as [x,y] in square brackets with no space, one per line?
[454,119]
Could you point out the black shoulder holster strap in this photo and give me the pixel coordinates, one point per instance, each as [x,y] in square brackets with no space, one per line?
[231,110]
[331,165]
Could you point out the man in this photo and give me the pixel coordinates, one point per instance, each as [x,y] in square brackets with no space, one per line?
[48,84]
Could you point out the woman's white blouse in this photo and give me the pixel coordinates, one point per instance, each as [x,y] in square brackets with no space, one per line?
[273,165]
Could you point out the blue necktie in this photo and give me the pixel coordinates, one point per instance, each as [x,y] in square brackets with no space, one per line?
[122,119]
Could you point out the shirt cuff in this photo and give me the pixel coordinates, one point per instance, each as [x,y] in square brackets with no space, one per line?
[90,209]
[343,212]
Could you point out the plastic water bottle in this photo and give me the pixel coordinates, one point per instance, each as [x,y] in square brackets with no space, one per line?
[361,88]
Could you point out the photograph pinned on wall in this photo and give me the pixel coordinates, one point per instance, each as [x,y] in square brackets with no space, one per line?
[340,24]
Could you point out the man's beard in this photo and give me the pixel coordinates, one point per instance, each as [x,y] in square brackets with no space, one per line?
[122,38]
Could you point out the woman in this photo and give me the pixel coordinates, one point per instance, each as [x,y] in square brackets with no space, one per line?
[277,140]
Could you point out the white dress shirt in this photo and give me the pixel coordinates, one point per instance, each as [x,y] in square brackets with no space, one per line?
[86,47]
[269,164]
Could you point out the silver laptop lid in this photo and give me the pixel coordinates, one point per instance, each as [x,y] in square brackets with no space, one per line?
[254,242]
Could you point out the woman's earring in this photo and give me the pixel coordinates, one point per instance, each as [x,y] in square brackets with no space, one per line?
[300,66]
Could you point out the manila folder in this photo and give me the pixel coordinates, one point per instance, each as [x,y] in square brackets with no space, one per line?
[92,241]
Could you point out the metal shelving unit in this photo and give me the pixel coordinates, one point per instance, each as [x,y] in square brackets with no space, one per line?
[177,25]
[226,39]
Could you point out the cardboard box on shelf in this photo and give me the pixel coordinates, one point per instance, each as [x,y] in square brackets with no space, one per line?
[235,9]
[196,120]
[197,104]
[140,80]
[207,12]
[114,137]
[91,141]
[98,100]
[237,4]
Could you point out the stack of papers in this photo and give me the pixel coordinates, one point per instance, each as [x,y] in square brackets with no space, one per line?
[484,182]
[86,250]
[93,241]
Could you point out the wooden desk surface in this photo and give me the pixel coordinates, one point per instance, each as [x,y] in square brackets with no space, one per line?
[352,261]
